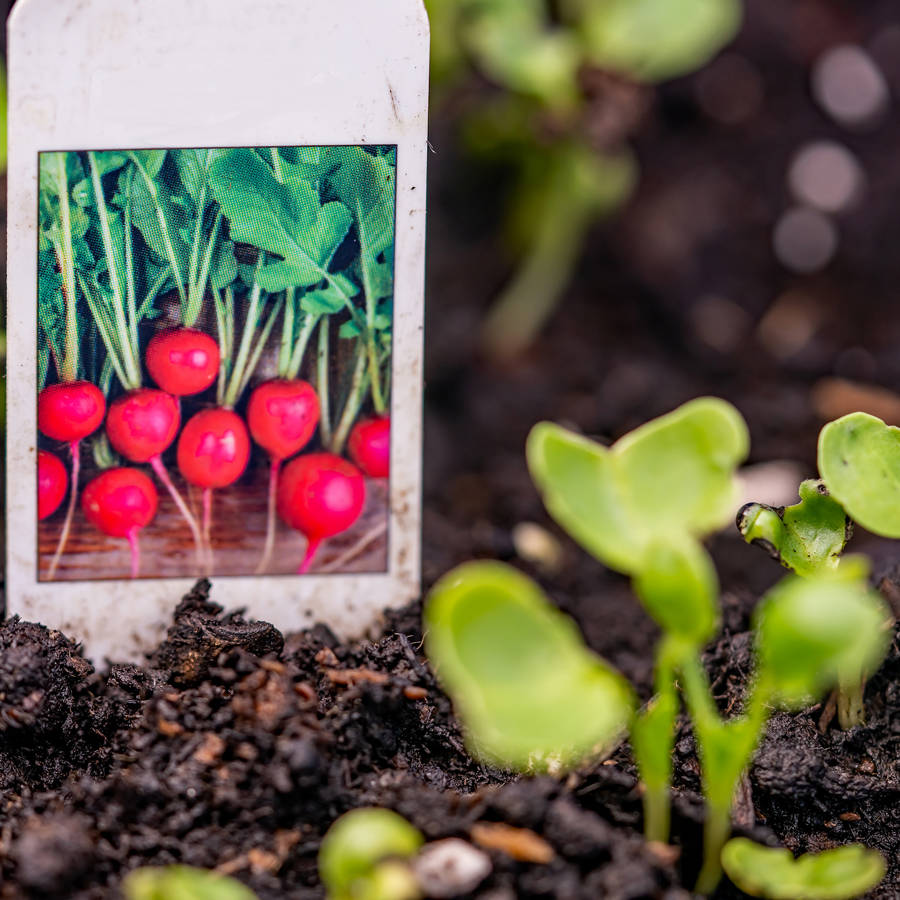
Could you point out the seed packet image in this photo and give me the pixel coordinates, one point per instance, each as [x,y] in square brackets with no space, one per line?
[214,361]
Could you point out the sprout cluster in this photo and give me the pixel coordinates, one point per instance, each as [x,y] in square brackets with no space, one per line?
[534,697]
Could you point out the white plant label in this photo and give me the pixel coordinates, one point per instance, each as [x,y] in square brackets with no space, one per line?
[215,271]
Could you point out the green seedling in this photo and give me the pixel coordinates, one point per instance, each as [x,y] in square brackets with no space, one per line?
[182,883]
[642,507]
[541,57]
[859,461]
[807,537]
[839,874]
[532,694]
[365,856]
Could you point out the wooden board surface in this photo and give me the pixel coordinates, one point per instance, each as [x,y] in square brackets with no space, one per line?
[238,535]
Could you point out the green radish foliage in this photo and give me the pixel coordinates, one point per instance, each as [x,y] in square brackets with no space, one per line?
[525,685]
[182,883]
[544,59]
[838,874]
[364,854]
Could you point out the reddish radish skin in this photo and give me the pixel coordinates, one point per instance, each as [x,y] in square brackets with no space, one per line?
[120,502]
[369,446]
[182,361]
[70,410]
[282,416]
[214,448]
[53,481]
[320,495]
[143,423]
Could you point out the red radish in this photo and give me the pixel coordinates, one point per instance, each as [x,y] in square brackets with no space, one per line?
[320,495]
[120,502]
[214,448]
[213,452]
[70,410]
[182,361]
[369,446]
[143,423]
[282,416]
[52,484]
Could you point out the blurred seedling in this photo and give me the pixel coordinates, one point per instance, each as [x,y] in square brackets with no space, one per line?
[533,697]
[366,855]
[571,81]
[859,464]
[774,873]
[182,883]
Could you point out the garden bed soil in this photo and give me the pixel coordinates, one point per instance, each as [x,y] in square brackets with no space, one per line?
[235,747]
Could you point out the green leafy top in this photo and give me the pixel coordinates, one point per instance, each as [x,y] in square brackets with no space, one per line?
[806,537]
[839,874]
[532,695]
[287,220]
[653,40]
[816,632]
[182,883]
[673,476]
[859,460]
[356,855]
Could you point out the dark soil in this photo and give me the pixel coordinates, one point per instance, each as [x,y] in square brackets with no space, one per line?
[235,747]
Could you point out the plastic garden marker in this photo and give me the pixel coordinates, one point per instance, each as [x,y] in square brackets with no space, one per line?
[774,873]
[182,883]
[530,692]
[363,857]
[271,231]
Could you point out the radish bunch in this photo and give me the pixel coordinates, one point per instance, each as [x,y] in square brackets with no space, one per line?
[154,324]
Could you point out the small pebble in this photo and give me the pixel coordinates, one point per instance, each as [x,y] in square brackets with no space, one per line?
[790,323]
[450,868]
[536,545]
[850,87]
[805,240]
[827,176]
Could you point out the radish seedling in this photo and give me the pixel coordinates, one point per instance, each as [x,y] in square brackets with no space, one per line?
[774,873]
[182,883]
[642,506]
[531,694]
[859,460]
[364,856]
[52,484]
[320,495]
[120,502]
[555,63]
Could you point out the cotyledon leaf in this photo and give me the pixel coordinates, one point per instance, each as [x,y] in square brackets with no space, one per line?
[773,872]
[530,693]
[806,537]
[672,476]
[859,461]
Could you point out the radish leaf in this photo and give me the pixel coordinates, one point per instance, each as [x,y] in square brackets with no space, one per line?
[531,694]
[773,872]
[859,460]
[806,537]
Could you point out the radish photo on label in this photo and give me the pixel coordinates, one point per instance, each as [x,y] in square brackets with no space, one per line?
[218,320]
